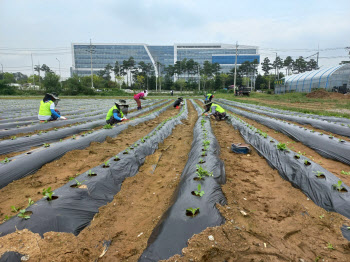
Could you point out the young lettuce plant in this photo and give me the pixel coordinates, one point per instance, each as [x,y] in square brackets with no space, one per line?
[199,192]
[345,173]
[47,193]
[6,160]
[282,146]
[192,211]
[106,164]
[107,126]
[22,214]
[339,186]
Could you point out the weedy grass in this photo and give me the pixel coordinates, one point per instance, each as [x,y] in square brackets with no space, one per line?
[107,126]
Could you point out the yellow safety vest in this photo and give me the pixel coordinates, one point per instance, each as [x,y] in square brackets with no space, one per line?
[110,112]
[218,108]
[44,109]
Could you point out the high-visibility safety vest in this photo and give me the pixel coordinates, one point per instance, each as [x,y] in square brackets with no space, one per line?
[208,96]
[110,112]
[44,109]
[218,108]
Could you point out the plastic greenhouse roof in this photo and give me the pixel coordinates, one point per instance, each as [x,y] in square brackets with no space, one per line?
[323,72]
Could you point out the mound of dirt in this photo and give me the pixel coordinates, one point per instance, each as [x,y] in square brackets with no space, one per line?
[321,93]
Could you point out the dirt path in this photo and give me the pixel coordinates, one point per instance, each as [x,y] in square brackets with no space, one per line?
[279,223]
[58,172]
[129,219]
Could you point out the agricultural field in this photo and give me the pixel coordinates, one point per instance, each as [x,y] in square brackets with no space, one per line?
[166,186]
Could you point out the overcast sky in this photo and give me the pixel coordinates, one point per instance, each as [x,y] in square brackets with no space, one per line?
[46,28]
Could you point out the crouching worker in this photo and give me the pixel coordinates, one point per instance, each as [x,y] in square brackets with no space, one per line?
[178,103]
[47,109]
[208,97]
[217,111]
[117,113]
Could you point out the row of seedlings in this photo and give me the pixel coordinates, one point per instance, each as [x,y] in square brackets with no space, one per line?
[318,184]
[342,129]
[71,207]
[326,145]
[294,113]
[27,163]
[35,126]
[27,142]
[193,208]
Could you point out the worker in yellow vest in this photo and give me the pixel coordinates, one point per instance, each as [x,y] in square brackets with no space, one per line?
[117,113]
[217,111]
[47,110]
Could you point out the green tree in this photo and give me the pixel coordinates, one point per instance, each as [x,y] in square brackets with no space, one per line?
[300,65]
[266,66]
[311,65]
[51,82]
[45,69]
[224,78]
[288,63]
[277,64]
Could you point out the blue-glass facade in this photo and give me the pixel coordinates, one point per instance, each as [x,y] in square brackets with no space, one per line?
[103,54]
[222,60]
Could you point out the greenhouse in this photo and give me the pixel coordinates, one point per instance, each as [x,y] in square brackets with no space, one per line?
[336,78]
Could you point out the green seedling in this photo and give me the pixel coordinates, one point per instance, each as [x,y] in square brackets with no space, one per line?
[206,143]
[317,258]
[203,153]
[127,151]
[318,173]
[13,137]
[264,134]
[55,129]
[297,156]
[312,131]
[74,137]
[7,217]
[106,164]
[23,215]
[199,192]
[201,171]
[18,126]
[90,173]
[6,160]
[321,134]
[330,246]
[192,211]
[306,162]
[116,158]
[61,140]
[46,145]
[107,126]
[338,186]
[14,209]
[79,183]
[47,193]
[331,136]
[143,140]
[282,146]
[201,160]
[345,173]
[30,202]
[322,216]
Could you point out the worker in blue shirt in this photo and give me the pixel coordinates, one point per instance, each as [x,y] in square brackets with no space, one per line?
[117,113]
[47,110]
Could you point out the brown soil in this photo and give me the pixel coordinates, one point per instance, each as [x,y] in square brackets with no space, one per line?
[321,93]
[280,223]
[57,173]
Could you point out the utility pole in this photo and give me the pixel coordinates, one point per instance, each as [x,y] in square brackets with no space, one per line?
[199,79]
[318,53]
[2,71]
[59,69]
[234,82]
[91,50]
[160,78]
[32,70]
[276,66]
[39,73]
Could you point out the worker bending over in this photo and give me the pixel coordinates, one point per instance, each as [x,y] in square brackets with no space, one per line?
[139,96]
[208,97]
[217,111]
[178,103]
[117,113]
[47,110]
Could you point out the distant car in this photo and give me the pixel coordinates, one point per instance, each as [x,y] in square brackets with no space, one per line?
[98,90]
[258,91]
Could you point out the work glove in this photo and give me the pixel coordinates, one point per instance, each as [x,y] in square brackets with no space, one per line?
[63,118]
[206,114]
